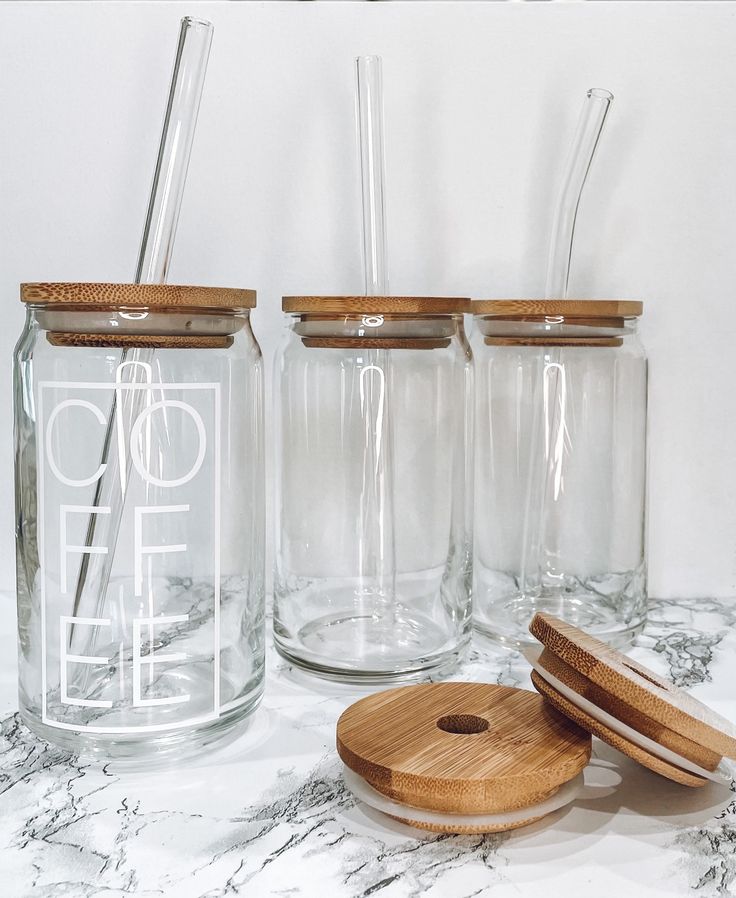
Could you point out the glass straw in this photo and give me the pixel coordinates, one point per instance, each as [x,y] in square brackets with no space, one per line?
[159,231]
[376,562]
[539,567]
[590,125]
[369,116]
[175,149]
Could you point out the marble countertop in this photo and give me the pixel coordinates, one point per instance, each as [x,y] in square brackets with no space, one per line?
[268,815]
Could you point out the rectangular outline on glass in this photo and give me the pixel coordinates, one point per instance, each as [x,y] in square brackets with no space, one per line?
[75,385]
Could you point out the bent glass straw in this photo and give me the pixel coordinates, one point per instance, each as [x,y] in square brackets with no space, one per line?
[376,567]
[590,125]
[159,231]
[539,550]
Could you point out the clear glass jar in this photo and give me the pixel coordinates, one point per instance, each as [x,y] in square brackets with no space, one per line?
[373,519]
[560,467]
[139,516]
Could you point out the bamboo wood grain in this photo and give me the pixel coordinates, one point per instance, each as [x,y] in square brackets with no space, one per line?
[578,320]
[589,308]
[147,341]
[137,295]
[523,755]
[358,316]
[689,749]
[373,343]
[465,830]
[635,752]
[377,305]
[634,688]
[553,341]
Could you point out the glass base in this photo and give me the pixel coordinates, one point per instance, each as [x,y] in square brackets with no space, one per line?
[507,620]
[155,749]
[355,648]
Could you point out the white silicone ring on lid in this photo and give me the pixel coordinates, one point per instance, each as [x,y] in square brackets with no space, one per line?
[366,793]
[719,775]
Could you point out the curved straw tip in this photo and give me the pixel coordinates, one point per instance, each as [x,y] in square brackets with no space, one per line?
[192,22]
[600,93]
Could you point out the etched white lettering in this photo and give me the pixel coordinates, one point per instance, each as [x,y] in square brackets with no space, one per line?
[153,657]
[140,549]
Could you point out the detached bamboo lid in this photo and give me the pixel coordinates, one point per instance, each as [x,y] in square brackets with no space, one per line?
[376,305]
[627,705]
[572,308]
[170,296]
[461,749]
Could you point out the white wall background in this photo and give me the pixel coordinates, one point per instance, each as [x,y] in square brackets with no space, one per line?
[481,102]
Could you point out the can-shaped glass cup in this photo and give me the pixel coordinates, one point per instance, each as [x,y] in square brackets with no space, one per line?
[373,517]
[139,516]
[560,467]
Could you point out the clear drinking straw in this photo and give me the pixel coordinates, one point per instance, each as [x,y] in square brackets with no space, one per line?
[590,125]
[376,563]
[159,231]
[369,118]
[540,550]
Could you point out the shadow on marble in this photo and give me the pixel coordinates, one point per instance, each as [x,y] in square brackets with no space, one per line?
[645,796]
[615,789]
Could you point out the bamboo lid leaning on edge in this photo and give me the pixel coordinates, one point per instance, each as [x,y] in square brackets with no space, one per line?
[629,706]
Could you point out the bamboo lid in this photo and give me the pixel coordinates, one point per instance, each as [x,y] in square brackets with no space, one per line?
[632,695]
[549,342]
[170,296]
[616,740]
[573,308]
[461,748]
[376,305]
[139,341]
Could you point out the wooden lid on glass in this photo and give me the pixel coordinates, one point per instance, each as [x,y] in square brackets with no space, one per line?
[376,305]
[168,296]
[573,308]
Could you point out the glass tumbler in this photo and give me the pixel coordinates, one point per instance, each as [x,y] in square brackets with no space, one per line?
[139,516]
[373,519]
[560,467]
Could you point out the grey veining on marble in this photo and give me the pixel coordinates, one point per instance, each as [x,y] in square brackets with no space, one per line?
[268,814]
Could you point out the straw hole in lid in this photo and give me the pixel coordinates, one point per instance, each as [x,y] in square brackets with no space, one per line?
[464,724]
[645,677]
